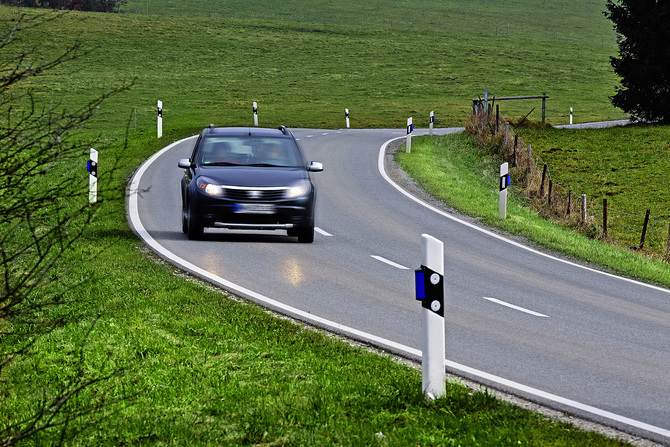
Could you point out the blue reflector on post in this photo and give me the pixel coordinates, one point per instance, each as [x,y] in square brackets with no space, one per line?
[419,281]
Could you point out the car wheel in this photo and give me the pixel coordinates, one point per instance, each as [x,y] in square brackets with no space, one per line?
[193,228]
[306,235]
[184,220]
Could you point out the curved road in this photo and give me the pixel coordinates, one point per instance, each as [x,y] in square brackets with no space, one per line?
[578,340]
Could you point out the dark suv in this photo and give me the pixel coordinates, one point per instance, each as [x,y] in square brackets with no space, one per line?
[248,178]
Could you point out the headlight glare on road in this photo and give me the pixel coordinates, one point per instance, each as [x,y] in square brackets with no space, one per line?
[210,188]
[298,189]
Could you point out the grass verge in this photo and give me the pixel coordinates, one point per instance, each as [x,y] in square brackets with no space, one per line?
[453,169]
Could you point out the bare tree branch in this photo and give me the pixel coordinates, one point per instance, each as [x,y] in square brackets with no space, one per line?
[44,212]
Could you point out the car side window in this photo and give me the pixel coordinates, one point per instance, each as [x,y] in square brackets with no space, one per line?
[195,149]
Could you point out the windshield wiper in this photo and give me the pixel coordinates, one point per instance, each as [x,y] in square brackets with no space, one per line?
[266,165]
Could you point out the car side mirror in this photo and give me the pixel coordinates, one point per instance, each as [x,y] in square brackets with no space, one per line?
[315,166]
[184,163]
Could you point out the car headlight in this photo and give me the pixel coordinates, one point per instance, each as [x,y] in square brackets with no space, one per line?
[298,189]
[210,188]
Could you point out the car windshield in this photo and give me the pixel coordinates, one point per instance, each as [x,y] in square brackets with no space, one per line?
[248,151]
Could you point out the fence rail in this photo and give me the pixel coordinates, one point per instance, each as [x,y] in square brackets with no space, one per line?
[558,201]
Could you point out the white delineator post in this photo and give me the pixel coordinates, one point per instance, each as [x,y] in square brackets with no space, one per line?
[570,115]
[432,120]
[160,119]
[410,129]
[92,169]
[502,195]
[429,280]
[255,114]
[346,117]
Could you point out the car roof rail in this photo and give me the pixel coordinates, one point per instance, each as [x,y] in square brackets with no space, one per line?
[283,129]
[211,126]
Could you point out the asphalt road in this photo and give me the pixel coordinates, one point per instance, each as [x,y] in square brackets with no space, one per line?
[588,343]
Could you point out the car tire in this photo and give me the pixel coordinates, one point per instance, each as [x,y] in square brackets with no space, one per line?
[306,235]
[184,220]
[193,229]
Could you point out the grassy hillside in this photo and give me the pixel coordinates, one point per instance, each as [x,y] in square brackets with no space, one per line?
[576,22]
[627,166]
[304,73]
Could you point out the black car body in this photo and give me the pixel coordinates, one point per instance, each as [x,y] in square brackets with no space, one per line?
[248,178]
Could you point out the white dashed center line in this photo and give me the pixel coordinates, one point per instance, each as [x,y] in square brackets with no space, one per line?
[512,306]
[320,231]
[386,261]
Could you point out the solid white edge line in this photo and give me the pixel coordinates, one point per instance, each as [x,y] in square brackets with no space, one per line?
[386,261]
[558,399]
[512,306]
[154,245]
[506,382]
[382,171]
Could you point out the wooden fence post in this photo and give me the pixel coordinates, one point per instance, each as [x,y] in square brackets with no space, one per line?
[644,230]
[551,184]
[516,140]
[567,212]
[604,217]
[544,175]
[584,209]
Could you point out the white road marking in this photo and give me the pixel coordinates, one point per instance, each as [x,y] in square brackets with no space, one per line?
[320,231]
[512,306]
[386,261]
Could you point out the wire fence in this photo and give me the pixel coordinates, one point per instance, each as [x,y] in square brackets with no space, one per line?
[639,233]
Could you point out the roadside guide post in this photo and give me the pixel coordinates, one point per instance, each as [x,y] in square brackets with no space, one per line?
[502,195]
[160,119]
[570,115]
[432,120]
[346,116]
[410,129]
[92,168]
[429,282]
[255,109]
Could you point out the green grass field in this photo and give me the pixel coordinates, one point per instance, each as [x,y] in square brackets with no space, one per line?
[626,166]
[305,73]
[198,367]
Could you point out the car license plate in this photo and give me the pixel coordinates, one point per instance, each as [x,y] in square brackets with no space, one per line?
[254,208]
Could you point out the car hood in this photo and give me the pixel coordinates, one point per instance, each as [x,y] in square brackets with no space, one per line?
[251,176]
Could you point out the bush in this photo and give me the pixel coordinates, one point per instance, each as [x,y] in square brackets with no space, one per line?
[76,5]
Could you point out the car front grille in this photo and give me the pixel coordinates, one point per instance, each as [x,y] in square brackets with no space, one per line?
[254,194]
